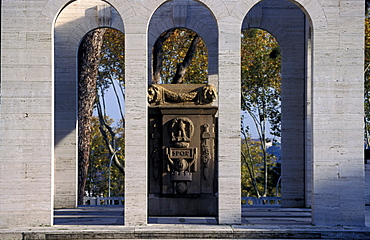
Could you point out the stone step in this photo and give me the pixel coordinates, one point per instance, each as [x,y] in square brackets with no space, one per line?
[195,232]
[257,223]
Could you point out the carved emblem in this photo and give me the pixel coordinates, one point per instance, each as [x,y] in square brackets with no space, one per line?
[181,131]
[181,159]
[181,165]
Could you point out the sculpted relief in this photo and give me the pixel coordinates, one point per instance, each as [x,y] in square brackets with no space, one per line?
[182,162]
[157,94]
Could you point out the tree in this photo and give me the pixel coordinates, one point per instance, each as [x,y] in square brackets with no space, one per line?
[101,61]
[260,88]
[179,56]
[88,61]
[252,169]
[97,181]
[112,67]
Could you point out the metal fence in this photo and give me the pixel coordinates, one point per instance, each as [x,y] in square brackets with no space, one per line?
[246,201]
[261,202]
[101,201]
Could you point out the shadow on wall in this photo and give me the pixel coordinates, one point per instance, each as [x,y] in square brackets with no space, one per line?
[75,20]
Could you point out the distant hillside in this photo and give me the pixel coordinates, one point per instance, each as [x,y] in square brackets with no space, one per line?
[272,148]
[275,149]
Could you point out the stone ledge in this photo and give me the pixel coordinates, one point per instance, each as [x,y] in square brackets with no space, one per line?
[187,232]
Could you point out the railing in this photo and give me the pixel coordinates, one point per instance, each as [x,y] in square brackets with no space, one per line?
[262,201]
[107,201]
[246,201]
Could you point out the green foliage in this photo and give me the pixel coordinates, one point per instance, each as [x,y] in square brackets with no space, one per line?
[174,51]
[261,99]
[111,68]
[252,169]
[112,59]
[261,77]
[97,182]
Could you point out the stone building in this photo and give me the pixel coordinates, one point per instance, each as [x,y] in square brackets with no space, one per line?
[322,100]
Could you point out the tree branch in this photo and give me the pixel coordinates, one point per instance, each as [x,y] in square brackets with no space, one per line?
[158,56]
[182,67]
[117,97]
[250,165]
[110,144]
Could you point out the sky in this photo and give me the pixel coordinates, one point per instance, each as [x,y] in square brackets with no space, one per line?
[112,107]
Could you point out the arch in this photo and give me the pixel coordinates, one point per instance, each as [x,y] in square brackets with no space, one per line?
[52,8]
[314,12]
[292,36]
[256,56]
[192,15]
[312,9]
[181,16]
[72,23]
[269,25]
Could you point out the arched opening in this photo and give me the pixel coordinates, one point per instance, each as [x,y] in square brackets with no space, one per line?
[101,117]
[182,125]
[74,21]
[293,35]
[185,16]
[261,117]
[182,166]
[179,56]
[100,120]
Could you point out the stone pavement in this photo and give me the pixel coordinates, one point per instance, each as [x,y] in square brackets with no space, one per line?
[257,223]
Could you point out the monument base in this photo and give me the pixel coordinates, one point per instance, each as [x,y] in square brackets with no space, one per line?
[203,206]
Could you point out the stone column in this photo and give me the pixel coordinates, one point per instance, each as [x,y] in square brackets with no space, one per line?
[338,159]
[26,117]
[293,109]
[136,122]
[229,211]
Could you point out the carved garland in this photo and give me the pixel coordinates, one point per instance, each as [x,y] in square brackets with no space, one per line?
[203,95]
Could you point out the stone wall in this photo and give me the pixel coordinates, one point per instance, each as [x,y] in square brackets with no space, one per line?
[37,145]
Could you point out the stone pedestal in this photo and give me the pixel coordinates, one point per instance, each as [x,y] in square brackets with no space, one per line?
[182,163]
